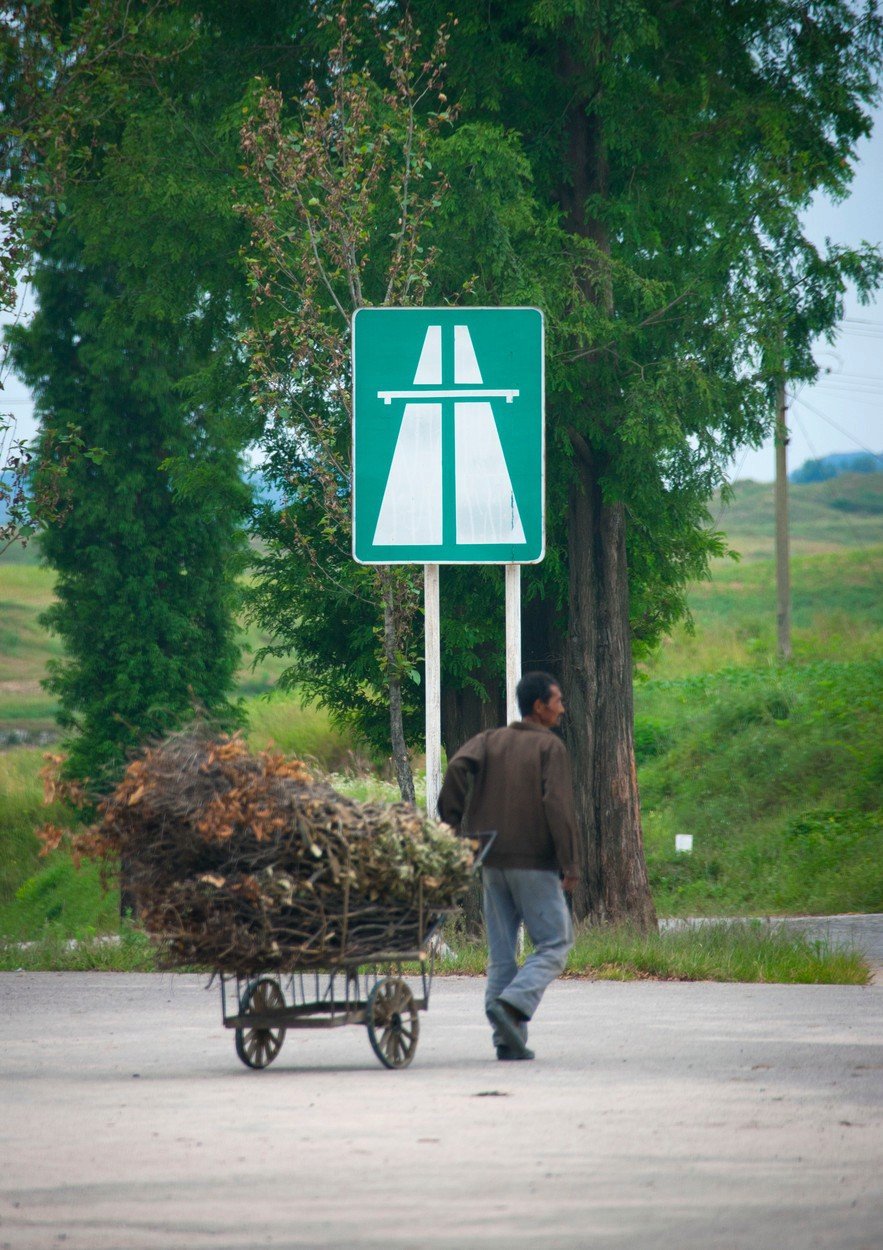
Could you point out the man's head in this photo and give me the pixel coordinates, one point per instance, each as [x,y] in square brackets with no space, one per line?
[539,699]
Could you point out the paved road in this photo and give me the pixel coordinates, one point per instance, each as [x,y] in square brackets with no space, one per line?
[656,1117]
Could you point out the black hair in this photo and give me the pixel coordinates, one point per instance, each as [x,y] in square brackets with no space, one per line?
[534,686]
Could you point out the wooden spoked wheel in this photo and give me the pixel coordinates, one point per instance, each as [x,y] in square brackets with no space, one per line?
[258,1047]
[393,1022]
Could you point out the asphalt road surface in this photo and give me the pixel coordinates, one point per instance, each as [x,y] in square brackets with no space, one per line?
[655,1117]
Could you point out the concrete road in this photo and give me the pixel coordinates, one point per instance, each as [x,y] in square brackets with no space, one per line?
[656,1117]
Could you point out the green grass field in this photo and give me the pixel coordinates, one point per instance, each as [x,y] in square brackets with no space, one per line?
[776,771]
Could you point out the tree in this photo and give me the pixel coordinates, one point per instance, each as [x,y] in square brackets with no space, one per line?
[344,193]
[676,146]
[123,152]
[145,576]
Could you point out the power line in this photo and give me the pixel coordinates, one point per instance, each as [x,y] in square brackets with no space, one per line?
[851,437]
[850,388]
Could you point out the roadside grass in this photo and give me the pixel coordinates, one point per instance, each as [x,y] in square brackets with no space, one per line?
[741,951]
[778,776]
[776,771]
[61,899]
[130,951]
[22,810]
[751,952]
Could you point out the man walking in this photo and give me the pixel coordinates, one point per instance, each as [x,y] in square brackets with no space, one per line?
[521,787]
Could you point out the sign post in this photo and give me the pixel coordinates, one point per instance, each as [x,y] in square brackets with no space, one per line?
[513,639]
[432,669]
[448,458]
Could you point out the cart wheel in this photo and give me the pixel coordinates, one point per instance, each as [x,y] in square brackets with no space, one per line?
[393,1022]
[257,1048]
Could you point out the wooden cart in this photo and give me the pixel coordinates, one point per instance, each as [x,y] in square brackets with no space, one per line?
[374,990]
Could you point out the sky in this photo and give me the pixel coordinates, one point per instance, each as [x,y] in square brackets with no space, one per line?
[841,412]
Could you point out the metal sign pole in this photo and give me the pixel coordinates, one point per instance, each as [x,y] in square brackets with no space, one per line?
[513,639]
[513,670]
[433,686]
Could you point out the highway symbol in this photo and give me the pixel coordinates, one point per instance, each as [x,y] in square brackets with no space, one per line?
[413,505]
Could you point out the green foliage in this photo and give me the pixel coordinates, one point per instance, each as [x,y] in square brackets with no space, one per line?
[123,150]
[69,901]
[668,152]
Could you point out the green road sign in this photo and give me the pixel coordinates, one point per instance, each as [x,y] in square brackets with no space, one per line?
[448,436]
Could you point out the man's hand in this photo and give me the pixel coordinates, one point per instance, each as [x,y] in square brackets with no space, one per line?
[570,880]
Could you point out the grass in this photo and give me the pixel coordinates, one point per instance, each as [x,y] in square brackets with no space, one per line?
[716,952]
[130,951]
[837,611]
[25,709]
[750,952]
[778,775]
[280,721]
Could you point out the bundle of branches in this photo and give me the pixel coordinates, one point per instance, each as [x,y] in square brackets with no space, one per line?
[244,862]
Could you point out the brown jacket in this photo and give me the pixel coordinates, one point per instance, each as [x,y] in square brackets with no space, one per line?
[522,788]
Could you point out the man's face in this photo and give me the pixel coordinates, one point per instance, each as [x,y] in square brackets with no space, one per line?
[550,712]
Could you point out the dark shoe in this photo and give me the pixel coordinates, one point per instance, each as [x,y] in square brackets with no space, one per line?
[503,1052]
[507,1029]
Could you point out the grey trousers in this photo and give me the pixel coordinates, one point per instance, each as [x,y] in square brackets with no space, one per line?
[534,896]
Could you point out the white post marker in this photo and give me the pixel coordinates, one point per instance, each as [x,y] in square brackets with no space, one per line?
[513,639]
[433,687]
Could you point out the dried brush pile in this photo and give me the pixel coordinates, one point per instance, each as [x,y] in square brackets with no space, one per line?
[243,862]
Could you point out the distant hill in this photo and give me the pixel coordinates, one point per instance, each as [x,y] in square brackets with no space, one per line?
[826,467]
[842,511]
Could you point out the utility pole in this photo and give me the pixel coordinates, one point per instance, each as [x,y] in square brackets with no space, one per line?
[783,571]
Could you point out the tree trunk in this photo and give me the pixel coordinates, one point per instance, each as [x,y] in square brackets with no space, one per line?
[613,885]
[464,713]
[401,759]
[598,694]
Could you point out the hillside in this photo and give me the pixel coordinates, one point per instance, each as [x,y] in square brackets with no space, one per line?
[844,511]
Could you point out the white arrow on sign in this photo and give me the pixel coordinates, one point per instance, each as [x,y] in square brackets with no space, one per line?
[412,509]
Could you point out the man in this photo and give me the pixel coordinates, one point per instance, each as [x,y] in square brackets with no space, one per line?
[521,787]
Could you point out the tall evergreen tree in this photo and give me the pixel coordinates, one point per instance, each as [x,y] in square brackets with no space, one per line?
[125,149]
[144,574]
